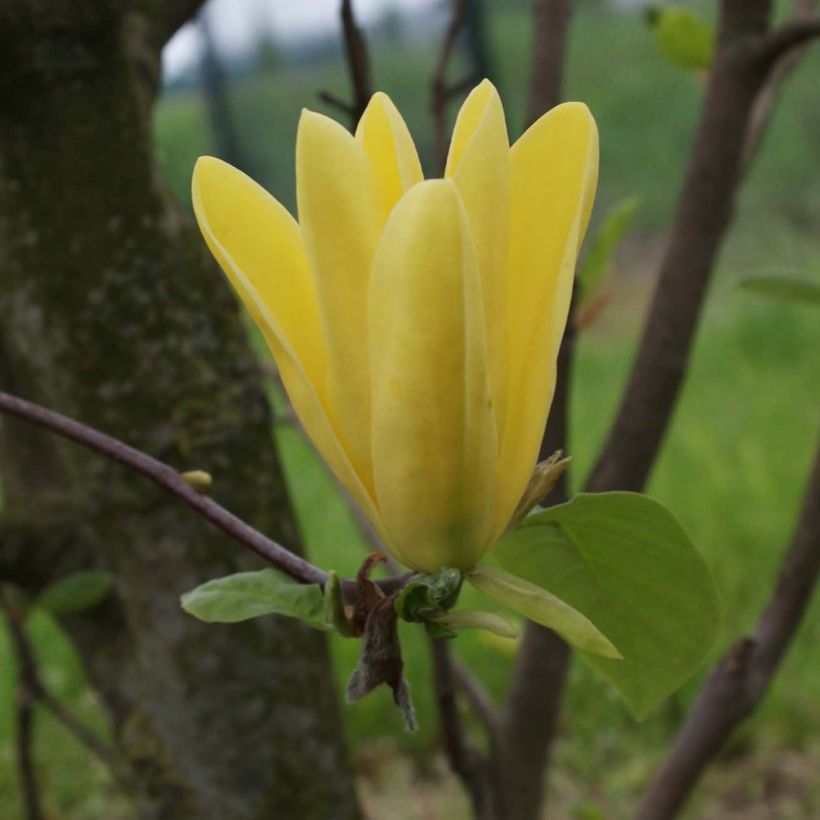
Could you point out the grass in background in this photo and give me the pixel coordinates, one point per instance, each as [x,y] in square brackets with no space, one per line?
[737,452]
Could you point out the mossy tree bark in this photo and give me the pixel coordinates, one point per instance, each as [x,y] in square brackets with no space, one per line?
[113,313]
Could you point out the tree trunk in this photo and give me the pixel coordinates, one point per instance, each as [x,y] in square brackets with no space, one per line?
[113,312]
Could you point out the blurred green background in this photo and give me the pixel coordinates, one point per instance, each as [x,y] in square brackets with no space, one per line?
[732,469]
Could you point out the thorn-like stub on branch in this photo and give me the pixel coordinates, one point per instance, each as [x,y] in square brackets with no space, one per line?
[198,480]
[544,477]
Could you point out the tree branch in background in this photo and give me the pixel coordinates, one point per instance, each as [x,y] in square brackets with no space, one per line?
[171,15]
[440,91]
[738,683]
[32,691]
[24,712]
[464,759]
[358,65]
[790,35]
[534,696]
[701,221]
[215,91]
[171,481]
[550,27]
[770,93]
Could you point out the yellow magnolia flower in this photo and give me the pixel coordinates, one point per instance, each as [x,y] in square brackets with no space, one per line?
[416,323]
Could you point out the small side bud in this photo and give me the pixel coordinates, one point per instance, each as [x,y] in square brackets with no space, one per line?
[198,480]
[544,477]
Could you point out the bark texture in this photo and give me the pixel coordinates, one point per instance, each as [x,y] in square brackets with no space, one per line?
[113,313]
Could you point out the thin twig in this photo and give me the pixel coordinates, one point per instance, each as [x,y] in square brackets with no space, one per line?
[479,699]
[464,759]
[441,92]
[739,681]
[24,711]
[338,103]
[770,93]
[169,480]
[358,63]
[35,690]
[794,33]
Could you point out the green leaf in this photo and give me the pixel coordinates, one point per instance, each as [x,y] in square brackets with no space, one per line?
[248,595]
[75,592]
[475,619]
[682,37]
[597,261]
[624,561]
[784,287]
[534,602]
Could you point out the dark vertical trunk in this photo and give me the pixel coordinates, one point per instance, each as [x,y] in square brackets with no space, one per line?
[113,313]
[535,694]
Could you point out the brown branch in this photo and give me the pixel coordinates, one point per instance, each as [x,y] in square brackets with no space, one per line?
[740,680]
[550,26]
[464,759]
[33,690]
[479,699]
[535,692]
[24,711]
[170,480]
[337,102]
[358,63]
[703,216]
[770,93]
[171,15]
[790,35]
[440,91]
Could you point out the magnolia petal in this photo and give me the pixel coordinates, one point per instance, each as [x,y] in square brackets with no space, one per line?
[383,135]
[258,245]
[479,164]
[554,170]
[339,217]
[434,437]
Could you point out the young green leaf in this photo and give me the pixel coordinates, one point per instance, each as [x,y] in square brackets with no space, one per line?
[75,592]
[624,561]
[248,595]
[534,602]
[598,259]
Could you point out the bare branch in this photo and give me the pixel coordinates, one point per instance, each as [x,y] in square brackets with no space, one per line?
[465,760]
[795,33]
[740,680]
[550,26]
[33,690]
[441,92]
[702,219]
[358,62]
[338,103]
[770,93]
[171,15]
[24,712]
[170,480]
[535,692]
[478,698]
